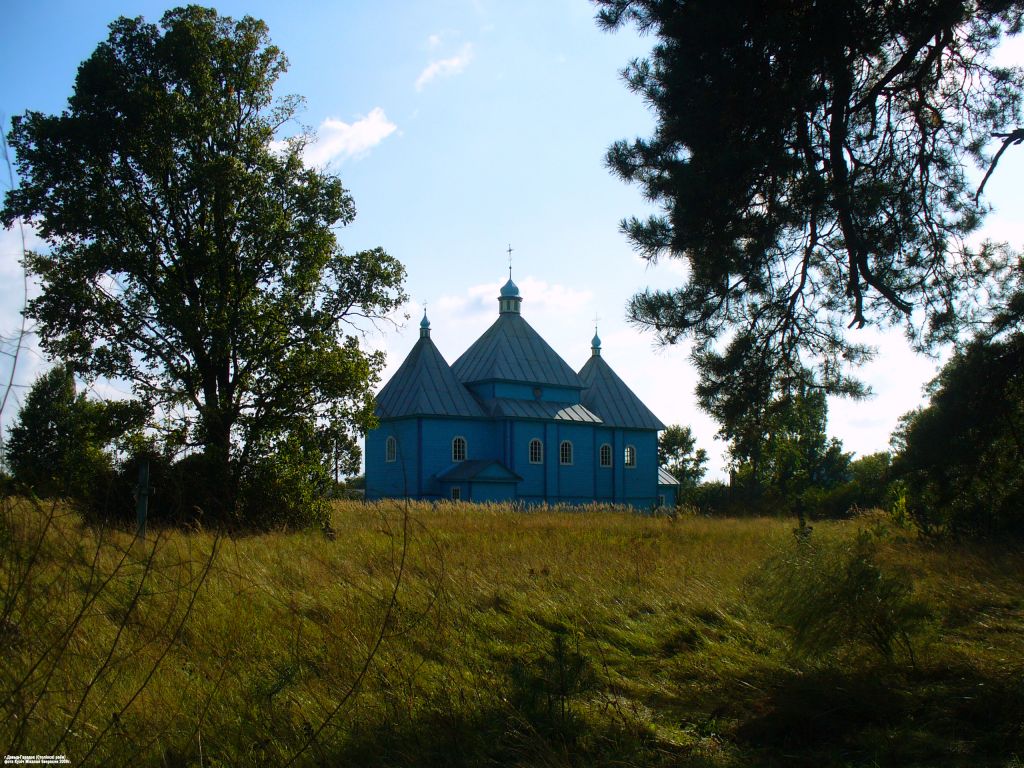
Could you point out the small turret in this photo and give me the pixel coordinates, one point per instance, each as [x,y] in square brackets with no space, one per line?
[509,300]
[595,344]
[424,326]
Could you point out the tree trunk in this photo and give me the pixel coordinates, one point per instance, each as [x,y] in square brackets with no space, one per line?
[221,482]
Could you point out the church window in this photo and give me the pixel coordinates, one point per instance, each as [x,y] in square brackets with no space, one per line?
[606,455]
[536,452]
[565,452]
[390,449]
[630,456]
[459,449]
[456,493]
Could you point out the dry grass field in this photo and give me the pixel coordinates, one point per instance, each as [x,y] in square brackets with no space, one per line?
[467,635]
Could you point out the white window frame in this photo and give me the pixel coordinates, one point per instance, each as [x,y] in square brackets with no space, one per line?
[390,450]
[629,457]
[561,453]
[540,451]
[602,452]
[465,448]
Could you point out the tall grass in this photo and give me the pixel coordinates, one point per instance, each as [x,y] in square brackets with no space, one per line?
[469,635]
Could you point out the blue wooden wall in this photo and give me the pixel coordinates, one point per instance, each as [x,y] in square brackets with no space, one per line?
[425,451]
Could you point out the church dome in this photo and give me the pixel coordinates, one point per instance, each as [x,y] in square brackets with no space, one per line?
[509,289]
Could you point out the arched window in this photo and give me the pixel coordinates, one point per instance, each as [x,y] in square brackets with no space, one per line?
[390,449]
[630,456]
[606,455]
[565,452]
[536,452]
[459,449]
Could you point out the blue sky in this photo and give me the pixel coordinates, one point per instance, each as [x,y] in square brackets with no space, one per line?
[461,127]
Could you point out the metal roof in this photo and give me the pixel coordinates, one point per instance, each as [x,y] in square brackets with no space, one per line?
[479,470]
[666,478]
[424,385]
[539,409]
[510,350]
[608,396]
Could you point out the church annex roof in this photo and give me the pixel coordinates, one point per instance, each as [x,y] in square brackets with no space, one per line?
[608,396]
[511,350]
[666,478]
[480,471]
[424,385]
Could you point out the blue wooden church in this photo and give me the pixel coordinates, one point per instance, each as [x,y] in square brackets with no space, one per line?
[511,421]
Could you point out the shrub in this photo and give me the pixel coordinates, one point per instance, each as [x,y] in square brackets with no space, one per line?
[712,498]
[829,597]
[288,488]
[544,689]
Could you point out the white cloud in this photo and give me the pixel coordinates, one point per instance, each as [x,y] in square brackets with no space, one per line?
[433,41]
[338,140]
[539,297]
[547,297]
[445,67]
[897,377]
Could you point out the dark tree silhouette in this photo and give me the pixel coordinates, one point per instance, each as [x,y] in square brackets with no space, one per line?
[961,457]
[809,166]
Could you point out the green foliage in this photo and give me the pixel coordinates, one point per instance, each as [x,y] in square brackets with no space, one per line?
[865,484]
[288,489]
[961,457]
[678,453]
[193,257]
[58,445]
[782,454]
[290,486]
[808,162]
[830,597]
[714,498]
[871,476]
[867,487]
[184,492]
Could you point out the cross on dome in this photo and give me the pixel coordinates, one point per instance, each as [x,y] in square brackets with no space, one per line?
[509,298]
[424,324]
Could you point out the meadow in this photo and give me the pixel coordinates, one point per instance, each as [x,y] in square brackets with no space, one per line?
[465,635]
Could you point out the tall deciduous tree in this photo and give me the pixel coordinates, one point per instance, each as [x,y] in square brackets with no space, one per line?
[679,454]
[809,165]
[191,255]
[780,449]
